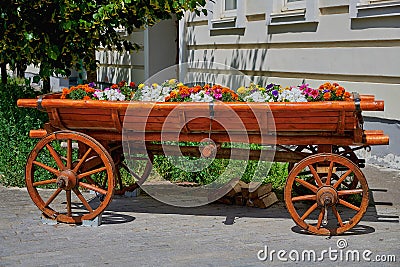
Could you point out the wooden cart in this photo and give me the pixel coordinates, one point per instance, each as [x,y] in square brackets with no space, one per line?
[326,192]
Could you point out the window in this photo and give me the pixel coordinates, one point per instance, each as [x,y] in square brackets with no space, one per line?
[229,8]
[373,8]
[226,14]
[290,12]
[230,5]
[294,4]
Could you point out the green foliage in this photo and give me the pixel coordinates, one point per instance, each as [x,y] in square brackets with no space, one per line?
[15,123]
[58,34]
[257,171]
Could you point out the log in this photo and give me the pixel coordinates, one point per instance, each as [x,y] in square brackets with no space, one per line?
[266,201]
[261,191]
[252,195]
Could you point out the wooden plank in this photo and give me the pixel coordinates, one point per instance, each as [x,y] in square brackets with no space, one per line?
[56,119]
[115,119]
[86,117]
[251,122]
[74,124]
[375,139]
[193,127]
[123,105]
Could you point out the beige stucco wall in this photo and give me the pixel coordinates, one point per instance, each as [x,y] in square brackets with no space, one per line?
[363,54]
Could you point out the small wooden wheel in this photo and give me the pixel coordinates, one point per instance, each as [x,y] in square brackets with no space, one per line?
[70,162]
[328,206]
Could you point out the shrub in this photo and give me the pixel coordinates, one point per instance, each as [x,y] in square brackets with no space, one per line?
[15,123]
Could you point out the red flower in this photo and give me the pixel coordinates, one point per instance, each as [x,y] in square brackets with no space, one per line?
[132,84]
[114,86]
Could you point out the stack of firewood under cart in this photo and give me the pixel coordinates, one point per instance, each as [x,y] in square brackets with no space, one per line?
[252,195]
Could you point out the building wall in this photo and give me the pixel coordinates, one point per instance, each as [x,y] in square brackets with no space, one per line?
[353,42]
[159,50]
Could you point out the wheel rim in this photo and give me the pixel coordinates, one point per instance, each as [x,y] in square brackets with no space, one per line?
[326,198]
[70,174]
[344,151]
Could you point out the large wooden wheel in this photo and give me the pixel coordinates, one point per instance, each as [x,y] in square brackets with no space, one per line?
[344,151]
[77,172]
[328,206]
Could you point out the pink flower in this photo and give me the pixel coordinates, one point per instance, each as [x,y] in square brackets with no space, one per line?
[218,96]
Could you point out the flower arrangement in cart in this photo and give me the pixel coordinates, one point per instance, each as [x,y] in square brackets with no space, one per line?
[174,91]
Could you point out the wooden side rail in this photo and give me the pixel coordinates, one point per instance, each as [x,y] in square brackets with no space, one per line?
[375,137]
[366,105]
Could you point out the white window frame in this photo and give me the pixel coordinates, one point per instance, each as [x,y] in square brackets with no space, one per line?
[227,13]
[300,4]
[236,17]
[304,11]
[356,8]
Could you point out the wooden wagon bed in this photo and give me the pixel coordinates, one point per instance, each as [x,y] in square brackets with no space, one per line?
[330,122]
[319,140]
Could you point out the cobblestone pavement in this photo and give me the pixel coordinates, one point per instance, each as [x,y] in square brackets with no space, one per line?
[143,232]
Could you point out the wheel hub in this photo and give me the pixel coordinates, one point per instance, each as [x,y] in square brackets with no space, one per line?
[67,180]
[208,150]
[327,196]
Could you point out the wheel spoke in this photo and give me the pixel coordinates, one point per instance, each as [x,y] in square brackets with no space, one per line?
[80,176]
[45,182]
[131,172]
[350,192]
[315,174]
[305,197]
[337,215]
[349,205]
[82,160]
[136,176]
[119,179]
[69,212]
[93,187]
[341,179]
[56,157]
[82,199]
[47,168]
[69,154]
[52,197]
[309,211]
[320,218]
[307,185]
[328,178]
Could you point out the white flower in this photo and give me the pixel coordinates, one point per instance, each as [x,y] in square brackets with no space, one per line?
[201,97]
[293,95]
[110,94]
[154,93]
[257,96]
